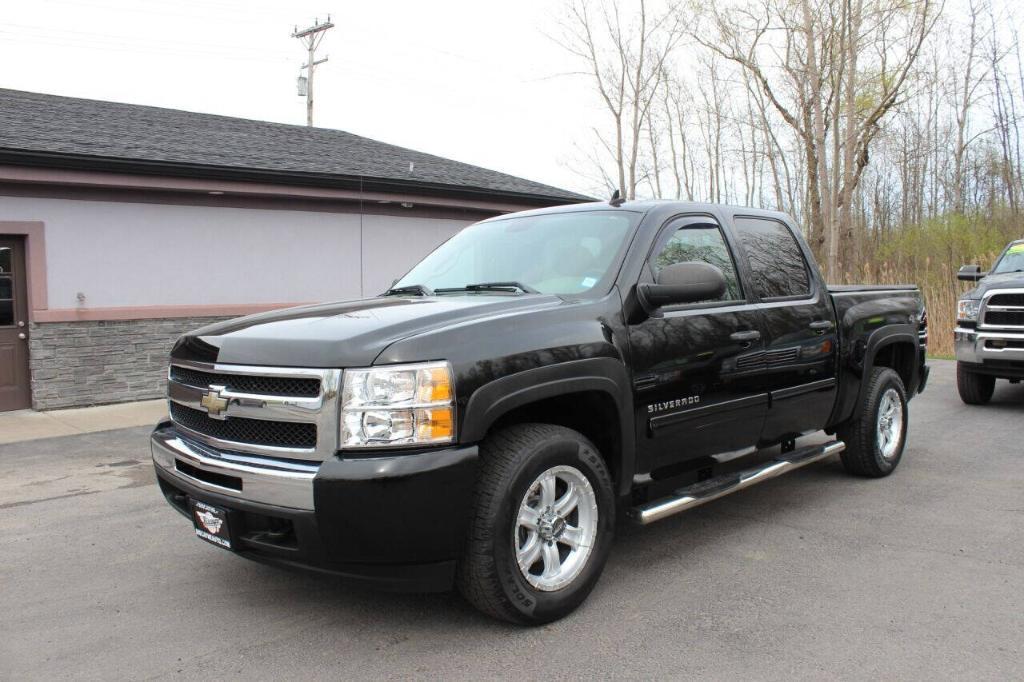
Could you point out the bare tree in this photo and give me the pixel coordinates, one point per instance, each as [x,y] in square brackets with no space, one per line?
[842,66]
[965,79]
[856,116]
[625,57]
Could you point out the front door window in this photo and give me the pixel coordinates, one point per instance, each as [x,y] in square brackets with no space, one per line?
[703,243]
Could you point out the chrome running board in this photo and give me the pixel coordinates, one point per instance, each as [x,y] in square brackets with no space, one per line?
[714,488]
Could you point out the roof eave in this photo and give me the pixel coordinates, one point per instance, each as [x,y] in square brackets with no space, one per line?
[297,178]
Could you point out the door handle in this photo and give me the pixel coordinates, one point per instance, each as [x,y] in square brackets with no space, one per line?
[22,336]
[750,335]
[821,326]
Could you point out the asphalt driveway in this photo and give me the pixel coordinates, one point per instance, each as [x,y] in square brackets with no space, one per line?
[812,575]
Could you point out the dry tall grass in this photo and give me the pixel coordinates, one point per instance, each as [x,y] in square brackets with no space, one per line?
[939,286]
[929,256]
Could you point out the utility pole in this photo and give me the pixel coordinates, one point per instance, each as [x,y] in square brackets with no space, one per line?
[311,38]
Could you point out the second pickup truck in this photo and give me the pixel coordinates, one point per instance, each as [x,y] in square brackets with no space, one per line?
[989,332]
[485,422]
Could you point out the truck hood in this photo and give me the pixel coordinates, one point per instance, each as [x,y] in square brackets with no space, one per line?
[1006,280]
[343,334]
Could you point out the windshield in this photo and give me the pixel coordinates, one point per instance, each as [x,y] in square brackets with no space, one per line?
[553,253]
[1012,260]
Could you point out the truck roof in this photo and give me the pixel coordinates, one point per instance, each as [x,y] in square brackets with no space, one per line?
[648,205]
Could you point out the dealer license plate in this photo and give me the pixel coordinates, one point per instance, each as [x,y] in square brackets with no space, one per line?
[211,523]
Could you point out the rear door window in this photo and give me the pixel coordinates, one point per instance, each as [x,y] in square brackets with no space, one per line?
[777,266]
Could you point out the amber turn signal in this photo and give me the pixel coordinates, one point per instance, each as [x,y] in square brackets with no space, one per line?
[434,425]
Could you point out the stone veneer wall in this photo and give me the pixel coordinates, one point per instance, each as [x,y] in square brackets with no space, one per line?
[75,364]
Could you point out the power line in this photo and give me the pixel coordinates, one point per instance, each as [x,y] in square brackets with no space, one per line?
[311,38]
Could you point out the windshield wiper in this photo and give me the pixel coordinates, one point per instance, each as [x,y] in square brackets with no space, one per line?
[493,286]
[414,289]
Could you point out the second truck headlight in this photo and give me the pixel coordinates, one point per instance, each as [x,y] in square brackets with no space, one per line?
[397,405]
[967,310]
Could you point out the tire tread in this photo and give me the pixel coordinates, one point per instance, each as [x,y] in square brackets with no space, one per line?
[859,433]
[974,388]
[501,454]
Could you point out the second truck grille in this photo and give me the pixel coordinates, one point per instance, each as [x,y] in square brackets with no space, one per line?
[1005,318]
[1007,299]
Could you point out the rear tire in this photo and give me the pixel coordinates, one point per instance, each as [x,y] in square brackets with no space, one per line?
[544,499]
[876,435]
[974,388]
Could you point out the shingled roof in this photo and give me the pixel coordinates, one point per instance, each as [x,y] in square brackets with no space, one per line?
[67,132]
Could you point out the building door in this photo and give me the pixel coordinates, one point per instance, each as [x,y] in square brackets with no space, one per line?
[15,392]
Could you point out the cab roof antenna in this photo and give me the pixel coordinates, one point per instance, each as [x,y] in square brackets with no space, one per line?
[616,199]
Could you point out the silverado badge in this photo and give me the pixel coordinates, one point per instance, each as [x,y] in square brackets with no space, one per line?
[654,408]
[213,402]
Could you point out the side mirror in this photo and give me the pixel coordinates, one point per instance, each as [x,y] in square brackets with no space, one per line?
[684,283]
[970,273]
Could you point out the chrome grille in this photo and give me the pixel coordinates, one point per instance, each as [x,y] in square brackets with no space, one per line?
[242,383]
[1003,308]
[242,430]
[273,411]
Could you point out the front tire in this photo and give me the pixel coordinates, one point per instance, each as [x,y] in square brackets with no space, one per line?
[974,388]
[875,437]
[542,527]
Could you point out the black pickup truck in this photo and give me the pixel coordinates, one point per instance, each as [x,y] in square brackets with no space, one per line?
[989,334]
[485,422]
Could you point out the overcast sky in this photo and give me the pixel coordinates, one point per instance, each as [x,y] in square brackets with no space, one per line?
[477,81]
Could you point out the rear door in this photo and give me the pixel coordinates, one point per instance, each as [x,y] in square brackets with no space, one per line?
[697,367]
[800,332]
[15,393]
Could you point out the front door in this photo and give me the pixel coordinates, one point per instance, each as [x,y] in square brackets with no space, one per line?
[15,393]
[697,367]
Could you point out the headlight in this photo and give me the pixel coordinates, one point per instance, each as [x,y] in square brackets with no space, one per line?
[397,405]
[967,310]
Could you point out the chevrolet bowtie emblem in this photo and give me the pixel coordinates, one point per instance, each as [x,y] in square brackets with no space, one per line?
[213,402]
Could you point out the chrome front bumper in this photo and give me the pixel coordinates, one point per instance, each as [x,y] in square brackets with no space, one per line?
[972,345]
[283,483]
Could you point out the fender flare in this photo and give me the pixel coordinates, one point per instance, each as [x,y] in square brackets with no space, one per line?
[883,338]
[606,375]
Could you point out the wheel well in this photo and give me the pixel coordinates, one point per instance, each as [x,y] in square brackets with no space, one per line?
[592,413]
[899,356]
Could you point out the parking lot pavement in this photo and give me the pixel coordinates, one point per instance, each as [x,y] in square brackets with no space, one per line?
[812,575]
